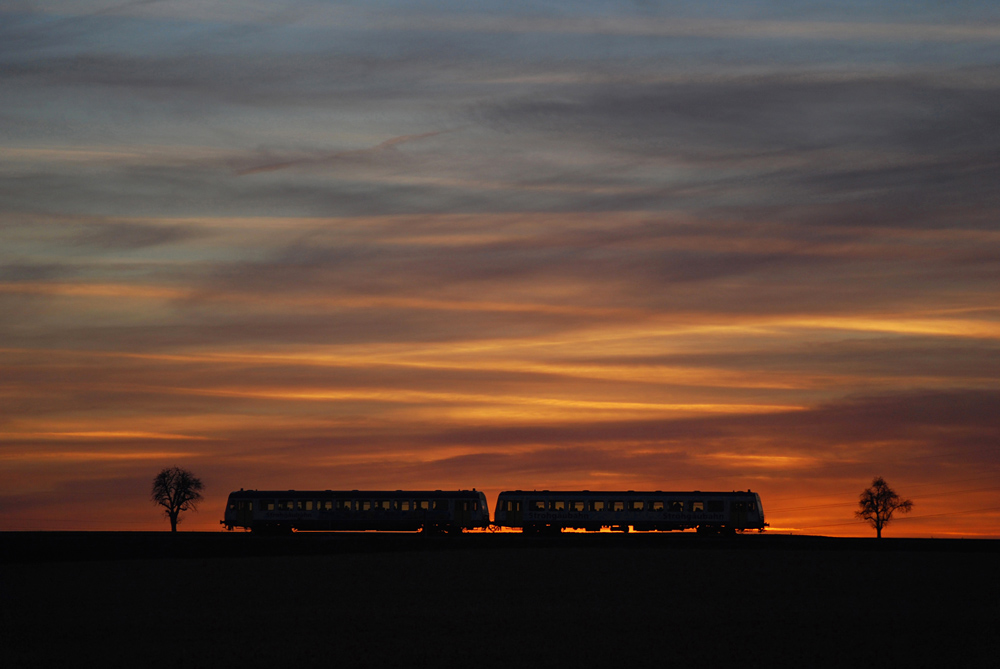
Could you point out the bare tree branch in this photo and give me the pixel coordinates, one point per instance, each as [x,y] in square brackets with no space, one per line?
[176,490]
[878,503]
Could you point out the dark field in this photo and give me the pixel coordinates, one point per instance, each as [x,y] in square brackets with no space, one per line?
[227,600]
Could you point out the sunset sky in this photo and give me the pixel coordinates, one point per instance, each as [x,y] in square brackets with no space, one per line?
[556,245]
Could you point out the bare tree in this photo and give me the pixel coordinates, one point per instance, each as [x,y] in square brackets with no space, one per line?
[176,490]
[878,503]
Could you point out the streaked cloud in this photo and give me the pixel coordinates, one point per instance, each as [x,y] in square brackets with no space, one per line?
[102,435]
[300,244]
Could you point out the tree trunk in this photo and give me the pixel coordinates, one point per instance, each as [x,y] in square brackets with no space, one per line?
[173,522]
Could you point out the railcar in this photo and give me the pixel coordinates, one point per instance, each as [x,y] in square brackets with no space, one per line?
[553,511]
[276,511]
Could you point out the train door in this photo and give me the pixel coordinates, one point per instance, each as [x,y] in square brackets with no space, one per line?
[514,512]
[244,513]
[463,513]
[738,515]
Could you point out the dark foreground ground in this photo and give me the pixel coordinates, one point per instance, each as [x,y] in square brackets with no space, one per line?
[235,600]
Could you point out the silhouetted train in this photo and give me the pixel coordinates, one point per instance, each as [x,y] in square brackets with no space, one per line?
[458,510]
[554,511]
[356,510]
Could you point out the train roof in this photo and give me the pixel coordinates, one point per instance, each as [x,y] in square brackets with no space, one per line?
[386,494]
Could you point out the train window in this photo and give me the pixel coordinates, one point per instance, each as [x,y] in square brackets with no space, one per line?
[232,506]
[675,506]
[596,505]
[249,506]
[636,505]
[475,506]
[557,505]
[617,506]
[576,505]
[656,506]
[697,507]
[513,505]
[537,504]
[327,505]
[382,505]
[343,505]
[440,505]
[267,505]
[424,505]
[365,505]
[404,505]
[285,505]
[716,506]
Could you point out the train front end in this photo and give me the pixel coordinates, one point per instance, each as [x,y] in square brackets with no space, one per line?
[239,510]
[483,516]
[761,525]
